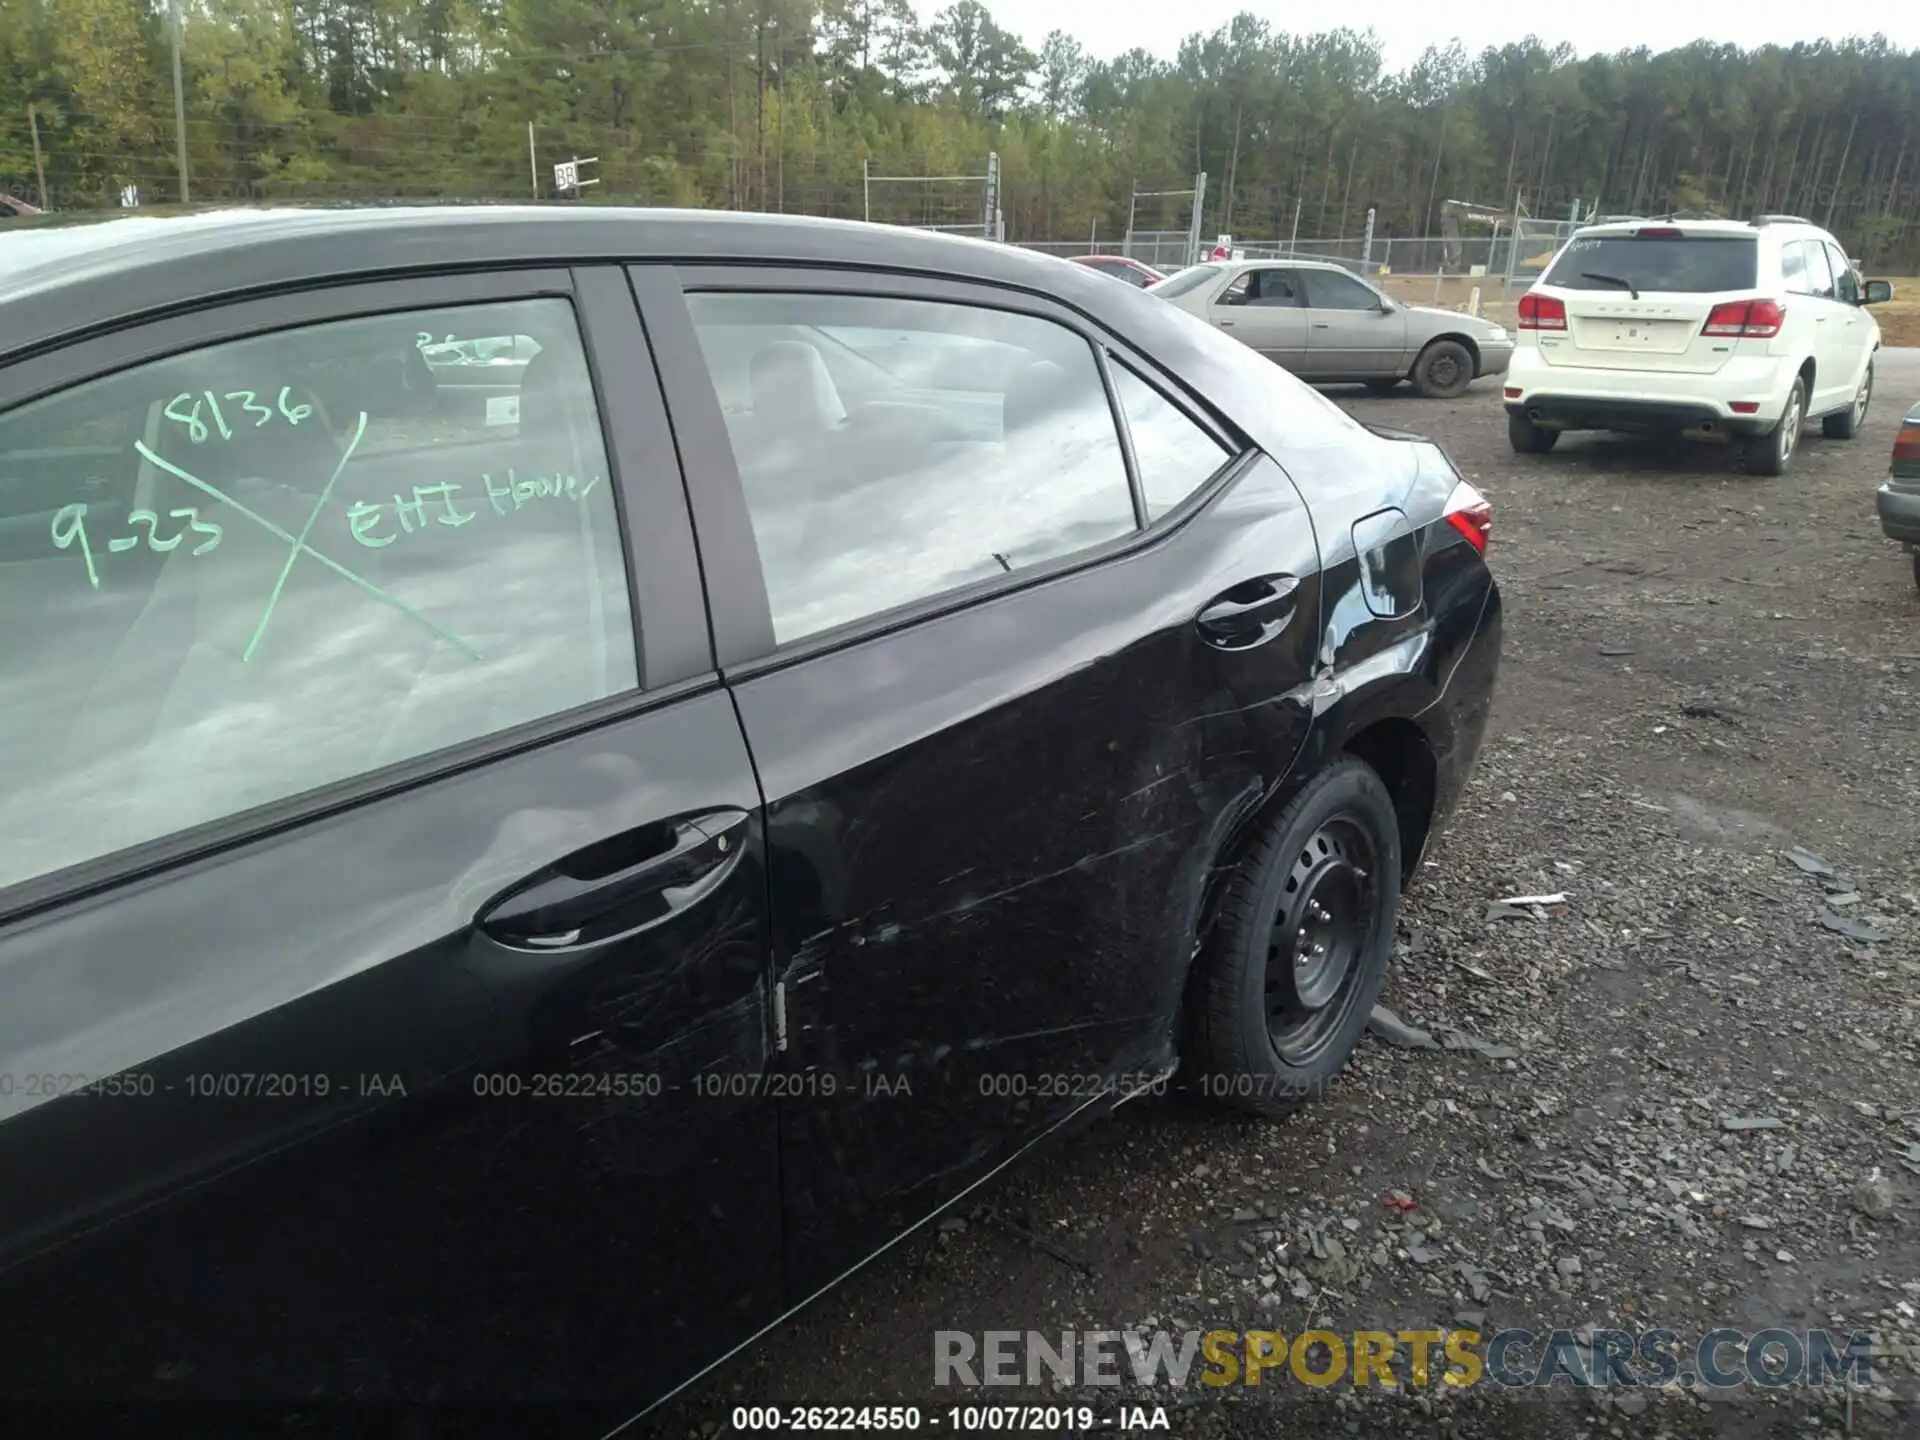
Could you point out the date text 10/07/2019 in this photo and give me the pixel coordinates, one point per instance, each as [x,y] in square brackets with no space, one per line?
[956,1419]
[439,503]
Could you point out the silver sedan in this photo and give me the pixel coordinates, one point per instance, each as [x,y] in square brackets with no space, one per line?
[1328,326]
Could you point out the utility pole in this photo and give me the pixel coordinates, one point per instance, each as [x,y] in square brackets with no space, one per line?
[39,165]
[533,161]
[179,99]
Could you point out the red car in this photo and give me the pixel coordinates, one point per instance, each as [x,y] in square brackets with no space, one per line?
[1133,272]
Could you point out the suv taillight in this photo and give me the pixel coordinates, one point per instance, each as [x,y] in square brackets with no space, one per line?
[1470,514]
[1542,312]
[1745,320]
[1906,452]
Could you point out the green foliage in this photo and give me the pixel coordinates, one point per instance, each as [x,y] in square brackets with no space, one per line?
[778,104]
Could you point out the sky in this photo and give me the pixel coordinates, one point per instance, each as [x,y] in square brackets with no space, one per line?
[1109,27]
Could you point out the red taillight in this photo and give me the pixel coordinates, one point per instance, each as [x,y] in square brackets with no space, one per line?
[1906,452]
[1542,312]
[1745,320]
[1470,514]
[1657,232]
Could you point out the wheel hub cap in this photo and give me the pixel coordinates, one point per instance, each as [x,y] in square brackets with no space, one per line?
[1790,427]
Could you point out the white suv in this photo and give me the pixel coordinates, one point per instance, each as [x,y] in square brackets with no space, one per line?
[1706,328]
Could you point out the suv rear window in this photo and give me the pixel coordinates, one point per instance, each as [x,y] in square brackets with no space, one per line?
[1691,265]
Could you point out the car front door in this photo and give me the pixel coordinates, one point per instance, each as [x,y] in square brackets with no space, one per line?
[1260,308]
[1349,335]
[1832,345]
[383,991]
[1862,333]
[1000,728]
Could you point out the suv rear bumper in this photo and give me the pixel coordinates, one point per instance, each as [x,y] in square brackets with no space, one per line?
[1579,397]
[1629,414]
[1899,510]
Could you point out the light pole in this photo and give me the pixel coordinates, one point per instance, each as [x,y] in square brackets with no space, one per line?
[179,99]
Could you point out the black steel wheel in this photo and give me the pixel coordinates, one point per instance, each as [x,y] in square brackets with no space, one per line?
[1300,950]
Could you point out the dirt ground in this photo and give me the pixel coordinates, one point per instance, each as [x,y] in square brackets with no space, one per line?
[1899,321]
[1713,1115]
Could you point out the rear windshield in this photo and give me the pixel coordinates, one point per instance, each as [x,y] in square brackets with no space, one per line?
[1191,278]
[1692,265]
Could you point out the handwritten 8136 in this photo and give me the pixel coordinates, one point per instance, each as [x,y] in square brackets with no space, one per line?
[371,525]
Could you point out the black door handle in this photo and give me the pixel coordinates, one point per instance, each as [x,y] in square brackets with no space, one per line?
[1251,613]
[618,886]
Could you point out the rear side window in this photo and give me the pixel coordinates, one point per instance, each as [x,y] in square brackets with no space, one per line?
[1690,265]
[1187,280]
[892,450]
[1175,456]
[250,570]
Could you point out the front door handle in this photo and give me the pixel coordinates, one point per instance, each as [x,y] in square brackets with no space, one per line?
[1322,325]
[1251,613]
[1226,324]
[620,886]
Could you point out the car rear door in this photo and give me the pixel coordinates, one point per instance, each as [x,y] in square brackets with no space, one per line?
[1261,309]
[383,939]
[1001,729]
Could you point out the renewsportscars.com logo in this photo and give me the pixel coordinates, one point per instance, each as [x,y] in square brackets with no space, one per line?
[1392,1359]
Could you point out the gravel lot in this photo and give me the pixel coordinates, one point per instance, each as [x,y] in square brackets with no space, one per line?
[1703,670]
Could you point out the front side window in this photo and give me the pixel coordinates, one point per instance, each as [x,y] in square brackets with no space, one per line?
[1336,290]
[892,450]
[1819,275]
[1846,282]
[257,568]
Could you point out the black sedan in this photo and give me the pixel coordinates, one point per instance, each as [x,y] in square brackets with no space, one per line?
[664,817]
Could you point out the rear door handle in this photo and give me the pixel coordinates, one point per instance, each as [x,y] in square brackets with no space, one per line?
[620,886]
[1322,325]
[1226,324]
[1251,613]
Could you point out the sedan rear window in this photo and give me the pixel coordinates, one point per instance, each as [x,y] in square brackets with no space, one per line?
[1686,265]
[1191,278]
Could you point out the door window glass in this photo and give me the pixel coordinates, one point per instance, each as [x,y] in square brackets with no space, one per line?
[1846,284]
[1336,290]
[892,450]
[1274,287]
[1819,275]
[257,568]
[1175,456]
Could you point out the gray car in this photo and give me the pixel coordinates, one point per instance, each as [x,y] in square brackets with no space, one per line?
[1327,325]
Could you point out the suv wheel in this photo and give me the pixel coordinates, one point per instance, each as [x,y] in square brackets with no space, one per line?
[1528,438]
[1845,424]
[1299,955]
[1768,454]
[1443,371]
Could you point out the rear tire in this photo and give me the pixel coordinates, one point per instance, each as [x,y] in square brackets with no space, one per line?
[1528,438]
[1383,386]
[1296,961]
[1769,454]
[1845,424]
[1443,371]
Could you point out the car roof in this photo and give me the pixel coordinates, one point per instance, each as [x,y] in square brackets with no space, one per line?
[64,276]
[1797,229]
